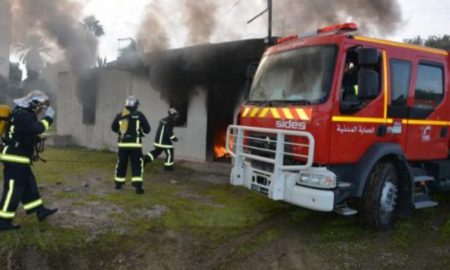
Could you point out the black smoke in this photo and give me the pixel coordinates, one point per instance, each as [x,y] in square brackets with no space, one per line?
[59,22]
[374,17]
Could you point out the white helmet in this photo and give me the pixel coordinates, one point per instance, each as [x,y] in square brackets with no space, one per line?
[131,101]
[173,112]
[35,100]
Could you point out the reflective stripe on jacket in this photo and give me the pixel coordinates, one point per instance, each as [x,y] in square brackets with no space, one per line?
[136,126]
[20,137]
[164,134]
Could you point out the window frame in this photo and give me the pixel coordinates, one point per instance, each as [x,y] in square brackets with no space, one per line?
[439,65]
[410,82]
[363,103]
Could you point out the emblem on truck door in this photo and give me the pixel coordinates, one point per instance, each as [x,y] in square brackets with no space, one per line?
[290,124]
[426,135]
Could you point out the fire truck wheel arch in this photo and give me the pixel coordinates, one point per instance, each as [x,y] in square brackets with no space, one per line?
[376,153]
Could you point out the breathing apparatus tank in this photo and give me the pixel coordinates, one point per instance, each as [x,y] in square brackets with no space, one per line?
[4,118]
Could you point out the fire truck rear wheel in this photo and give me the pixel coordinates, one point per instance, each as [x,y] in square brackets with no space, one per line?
[380,197]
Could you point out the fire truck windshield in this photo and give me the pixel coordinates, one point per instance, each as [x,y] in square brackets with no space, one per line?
[302,75]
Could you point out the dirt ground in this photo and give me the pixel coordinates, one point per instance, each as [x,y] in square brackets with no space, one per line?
[193,219]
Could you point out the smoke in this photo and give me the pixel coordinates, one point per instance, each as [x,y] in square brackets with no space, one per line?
[374,17]
[200,20]
[203,21]
[152,34]
[59,22]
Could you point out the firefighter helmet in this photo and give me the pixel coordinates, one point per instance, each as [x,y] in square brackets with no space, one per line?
[131,102]
[173,112]
[36,100]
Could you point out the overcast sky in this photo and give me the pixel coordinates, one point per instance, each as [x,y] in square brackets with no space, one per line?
[121,19]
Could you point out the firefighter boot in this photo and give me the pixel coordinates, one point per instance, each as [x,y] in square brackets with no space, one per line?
[147,159]
[43,213]
[6,225]
[118,186]
[139,190]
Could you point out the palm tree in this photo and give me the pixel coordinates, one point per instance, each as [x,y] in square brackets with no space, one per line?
[34,53]
[92,24]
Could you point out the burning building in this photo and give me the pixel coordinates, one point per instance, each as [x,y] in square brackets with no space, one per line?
[205,83]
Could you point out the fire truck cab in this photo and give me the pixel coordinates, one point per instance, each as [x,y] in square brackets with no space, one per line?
[339,122]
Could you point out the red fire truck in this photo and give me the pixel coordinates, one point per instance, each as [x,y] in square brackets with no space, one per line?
[339,122]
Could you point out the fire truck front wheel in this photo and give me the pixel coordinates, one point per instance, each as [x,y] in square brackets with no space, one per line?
[380,197]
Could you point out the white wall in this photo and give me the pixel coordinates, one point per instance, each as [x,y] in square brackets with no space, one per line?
[68,115]
[192,138]
[114,87]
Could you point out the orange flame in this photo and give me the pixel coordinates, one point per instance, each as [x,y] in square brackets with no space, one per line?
[220,143]
[219,151]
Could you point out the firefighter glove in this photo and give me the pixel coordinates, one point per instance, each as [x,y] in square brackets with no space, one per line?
[175,139]
[50,112]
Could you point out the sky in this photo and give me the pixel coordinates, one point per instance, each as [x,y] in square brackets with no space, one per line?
[121,20]
[424,18]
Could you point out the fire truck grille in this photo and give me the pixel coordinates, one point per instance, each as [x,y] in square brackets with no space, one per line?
[264,145]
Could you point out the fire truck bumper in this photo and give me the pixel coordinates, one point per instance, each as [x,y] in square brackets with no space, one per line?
[314,199]
[284,188]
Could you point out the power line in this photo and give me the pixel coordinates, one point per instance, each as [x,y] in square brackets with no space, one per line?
[231,7]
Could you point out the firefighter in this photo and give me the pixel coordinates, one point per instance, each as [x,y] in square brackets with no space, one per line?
[131,125]
[164,139]
[19,149]
[350,81]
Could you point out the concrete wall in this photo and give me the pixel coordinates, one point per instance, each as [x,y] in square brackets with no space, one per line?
[114,87]
[192,138]
[5,36]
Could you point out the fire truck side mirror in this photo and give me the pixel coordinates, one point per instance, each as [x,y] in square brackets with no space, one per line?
[251,70]
[368,84]
[368,57]
[249,75]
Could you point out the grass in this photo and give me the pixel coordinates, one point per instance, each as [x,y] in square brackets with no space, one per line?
[446,230]
[345,243]
[212,214]
[259,241]
[226,211]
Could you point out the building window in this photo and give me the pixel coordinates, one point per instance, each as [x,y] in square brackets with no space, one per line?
[87,88]
[400,81]
[181,105]
[429,86]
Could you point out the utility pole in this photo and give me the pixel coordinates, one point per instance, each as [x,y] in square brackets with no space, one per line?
[269,23]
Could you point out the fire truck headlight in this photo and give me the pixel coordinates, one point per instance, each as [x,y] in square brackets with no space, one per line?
[317,180]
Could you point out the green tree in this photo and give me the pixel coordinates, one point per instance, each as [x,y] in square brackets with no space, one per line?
[439,42]
[34,52]
[418,40]
[93,25]
[102,62]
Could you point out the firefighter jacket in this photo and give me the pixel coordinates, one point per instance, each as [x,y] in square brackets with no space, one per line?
[21,136]
[164,135]
[350,83]
[131,127]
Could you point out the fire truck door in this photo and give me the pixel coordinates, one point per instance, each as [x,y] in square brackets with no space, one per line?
[360,119]
[427,123]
